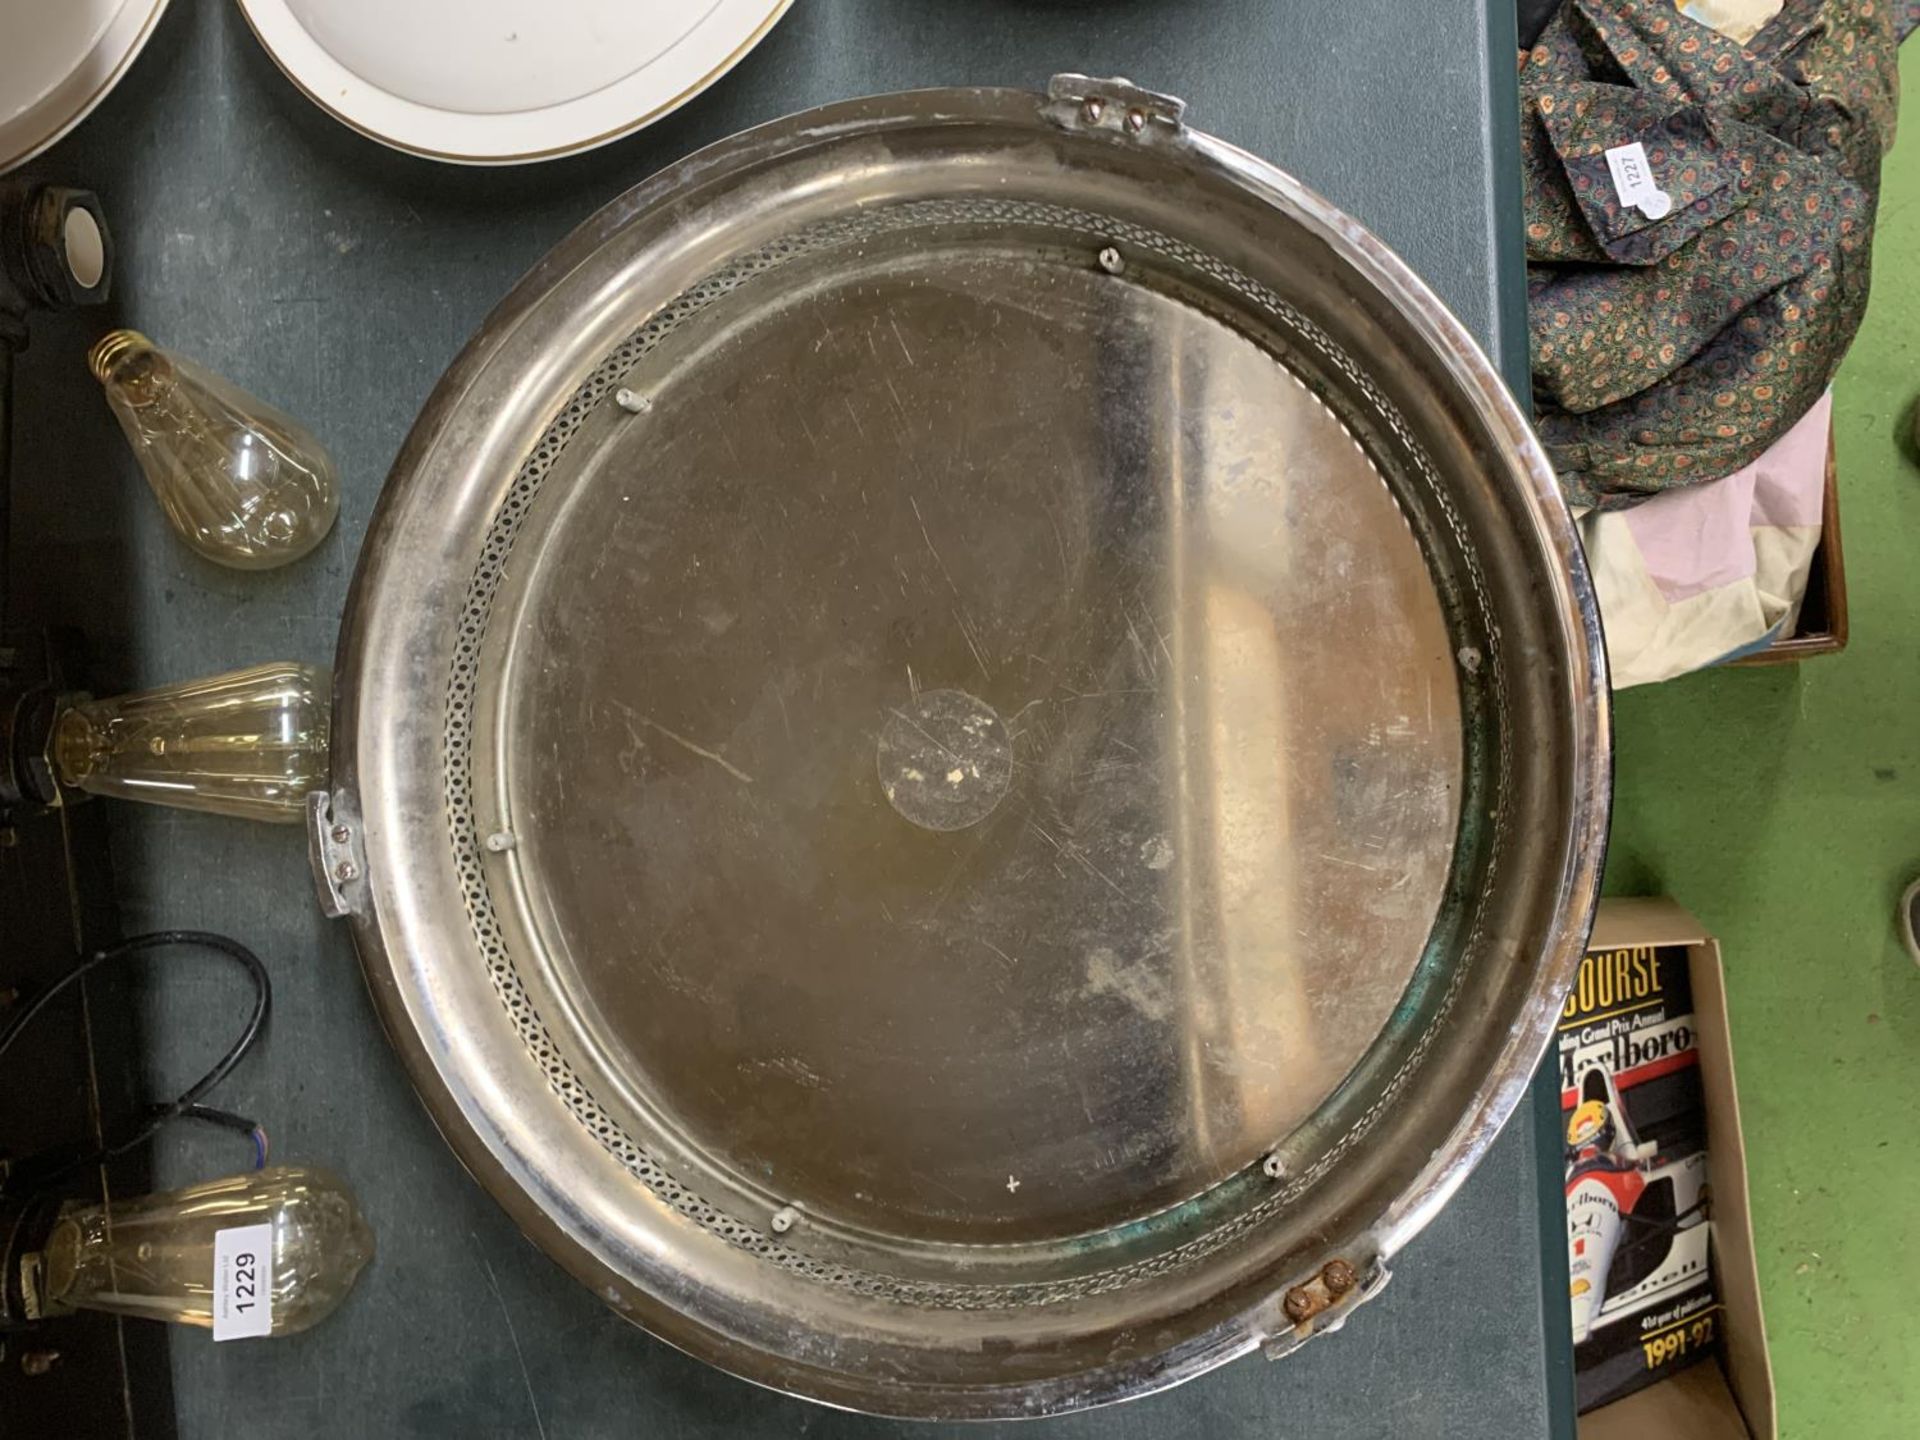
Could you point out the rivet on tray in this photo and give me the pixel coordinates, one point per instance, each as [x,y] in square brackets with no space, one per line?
[345,871]
[1136,121]
[1339,1277]
[785,1218]
[1093,108]
[1111,262]
[341,834]
[1469,656]
[501,841]
[632,401]
[1273,1167]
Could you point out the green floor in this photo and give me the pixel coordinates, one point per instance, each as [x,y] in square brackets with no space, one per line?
[1783,807]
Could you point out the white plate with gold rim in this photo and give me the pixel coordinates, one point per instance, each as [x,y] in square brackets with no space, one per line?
[58,59]
[497,82]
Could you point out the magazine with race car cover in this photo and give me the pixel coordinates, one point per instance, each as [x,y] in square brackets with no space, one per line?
[1638,1203]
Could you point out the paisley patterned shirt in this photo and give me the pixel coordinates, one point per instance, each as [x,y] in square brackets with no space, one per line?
[1675,350]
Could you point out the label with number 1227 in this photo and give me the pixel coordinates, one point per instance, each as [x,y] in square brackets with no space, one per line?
[243,1282]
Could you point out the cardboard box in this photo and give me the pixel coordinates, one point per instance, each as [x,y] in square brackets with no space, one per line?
[1730,1397]
[1821,626]
[1639,1200]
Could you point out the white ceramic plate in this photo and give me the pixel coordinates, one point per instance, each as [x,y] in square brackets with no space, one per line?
[494,82]
[58,59]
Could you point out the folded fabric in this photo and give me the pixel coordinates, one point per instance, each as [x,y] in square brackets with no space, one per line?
[1674,342]
[1707,573]
[1738,20]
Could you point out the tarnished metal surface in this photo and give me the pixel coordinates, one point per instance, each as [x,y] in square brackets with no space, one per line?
[954,670]
[977,745]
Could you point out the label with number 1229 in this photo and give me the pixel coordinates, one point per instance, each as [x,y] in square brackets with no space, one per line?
[243,1282]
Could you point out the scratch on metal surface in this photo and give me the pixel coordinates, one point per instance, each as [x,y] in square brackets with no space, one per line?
[1014,718]
[701,750]
[787,1067]
[998,951]
[966,631]
[901,338]
[1153,625]
[1073,853]
[513,1335]
[1060,543]
[922,731]
[1145,654]
[936,1180]
[1350,864]
[681,740]
[1080,1088]
[932,549]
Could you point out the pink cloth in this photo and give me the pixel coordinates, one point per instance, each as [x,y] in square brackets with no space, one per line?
[1697,575]
[1700,538]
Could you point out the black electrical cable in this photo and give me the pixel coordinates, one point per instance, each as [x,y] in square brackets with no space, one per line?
[188,1103]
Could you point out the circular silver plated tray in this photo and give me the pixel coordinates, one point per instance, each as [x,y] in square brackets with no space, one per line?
[971,753]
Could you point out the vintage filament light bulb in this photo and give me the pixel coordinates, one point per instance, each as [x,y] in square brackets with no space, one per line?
[242,483]
[267,1253]
[249,743]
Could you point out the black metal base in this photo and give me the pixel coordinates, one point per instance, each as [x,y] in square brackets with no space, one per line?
[24,1228]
